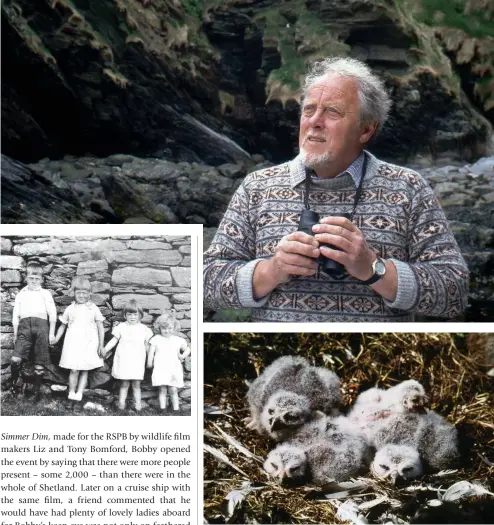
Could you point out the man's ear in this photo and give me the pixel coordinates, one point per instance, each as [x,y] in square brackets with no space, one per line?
[367,131]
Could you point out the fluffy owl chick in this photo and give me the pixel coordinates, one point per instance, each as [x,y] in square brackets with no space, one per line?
[375,406]
[291,383]
[337,431]
[435,439]
[437,442]
[397,463]
[318,461]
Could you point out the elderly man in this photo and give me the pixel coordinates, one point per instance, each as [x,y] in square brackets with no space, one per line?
[380,222]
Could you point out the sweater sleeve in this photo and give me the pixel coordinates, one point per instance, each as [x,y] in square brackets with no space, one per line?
[231,259]
[435,275]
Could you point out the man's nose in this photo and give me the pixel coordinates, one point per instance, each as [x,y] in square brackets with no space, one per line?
[316,119]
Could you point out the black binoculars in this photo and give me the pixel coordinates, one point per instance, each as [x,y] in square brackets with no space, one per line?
[309,218]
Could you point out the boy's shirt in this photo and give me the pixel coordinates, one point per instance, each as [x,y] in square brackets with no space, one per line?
[34,303]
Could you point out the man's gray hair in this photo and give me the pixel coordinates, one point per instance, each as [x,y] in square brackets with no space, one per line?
[375,102]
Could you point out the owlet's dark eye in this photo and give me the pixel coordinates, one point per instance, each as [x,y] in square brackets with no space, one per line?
[270,411]
[290,418]
[384,467]
[407,469]
[274,465]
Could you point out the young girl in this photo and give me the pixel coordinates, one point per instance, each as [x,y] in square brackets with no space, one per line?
[167,351]
[83,344]
[129,361]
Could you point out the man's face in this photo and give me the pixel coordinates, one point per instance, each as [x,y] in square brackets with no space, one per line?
[330,132]
[33,281]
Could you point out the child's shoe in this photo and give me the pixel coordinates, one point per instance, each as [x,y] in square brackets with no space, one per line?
[78,396]
[71,396]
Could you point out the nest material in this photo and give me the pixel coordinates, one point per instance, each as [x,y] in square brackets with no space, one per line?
[238,491]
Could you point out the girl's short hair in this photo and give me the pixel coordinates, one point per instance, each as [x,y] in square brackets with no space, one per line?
[80,283]
[133,307]
[34,268]
[168,322]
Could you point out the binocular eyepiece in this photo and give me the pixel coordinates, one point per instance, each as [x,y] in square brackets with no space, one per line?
[309,218]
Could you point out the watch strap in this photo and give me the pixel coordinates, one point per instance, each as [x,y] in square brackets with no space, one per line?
[376,276]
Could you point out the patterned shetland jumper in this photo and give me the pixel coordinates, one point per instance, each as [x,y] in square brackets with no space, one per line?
[399,216]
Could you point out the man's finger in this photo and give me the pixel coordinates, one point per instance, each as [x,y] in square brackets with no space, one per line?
[300,237]
[339,221]
[292,259]
[309,250]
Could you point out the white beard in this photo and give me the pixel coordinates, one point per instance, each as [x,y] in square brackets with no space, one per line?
[315,160]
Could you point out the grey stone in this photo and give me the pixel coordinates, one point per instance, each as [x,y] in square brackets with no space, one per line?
[118,159]
[148,245]
[11,277]
[185,306]
[483,165]
[185,393]
[148,302]
[488,197]
[5,245]
[12,262]
[185,324]
[90,267]
[185,250]
[181,298]
[232,171]
[59,247]
[98,287]
[141,276]
[181,277]
[7,344]
[155,257]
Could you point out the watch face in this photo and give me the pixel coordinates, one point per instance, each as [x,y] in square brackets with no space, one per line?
[380,267]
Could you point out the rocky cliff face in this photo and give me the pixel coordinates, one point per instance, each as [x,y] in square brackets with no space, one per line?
[201,81]
[154,271]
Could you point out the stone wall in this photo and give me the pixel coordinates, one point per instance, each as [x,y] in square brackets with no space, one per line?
[156,271]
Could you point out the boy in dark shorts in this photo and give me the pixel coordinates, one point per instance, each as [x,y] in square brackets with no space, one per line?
[34,321]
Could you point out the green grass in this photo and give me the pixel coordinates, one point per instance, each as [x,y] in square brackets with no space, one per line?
[451,13]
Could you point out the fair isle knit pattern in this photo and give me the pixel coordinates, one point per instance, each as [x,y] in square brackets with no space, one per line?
[400,218]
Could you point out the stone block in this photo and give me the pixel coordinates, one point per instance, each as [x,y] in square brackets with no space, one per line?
[148,245]
[11,277]
[185,250]
[62,247]
[98,287]
[185,393]
[185,324]
[91,267]
[154,257]
[181,276]
[12,262]
[141,276]
[181,298]
[148,302]
[5,245]
[7,344]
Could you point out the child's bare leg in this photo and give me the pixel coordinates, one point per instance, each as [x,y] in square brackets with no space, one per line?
[82,384]
[136,391]
[174,396]
[73,378]
[122,395]
[163,397]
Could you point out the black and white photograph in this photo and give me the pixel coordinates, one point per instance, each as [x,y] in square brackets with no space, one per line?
[348,427]
[97,325]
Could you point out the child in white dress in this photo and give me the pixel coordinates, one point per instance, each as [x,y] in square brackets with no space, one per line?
[83,344]
[166,353]
[129,361]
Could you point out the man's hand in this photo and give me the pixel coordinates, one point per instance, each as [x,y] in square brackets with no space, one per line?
[355,254]
[295,254]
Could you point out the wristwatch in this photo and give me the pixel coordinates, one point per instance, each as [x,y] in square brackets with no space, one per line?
[379,269]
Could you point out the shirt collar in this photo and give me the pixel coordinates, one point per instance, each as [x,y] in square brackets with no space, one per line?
[26,289]
[297,170]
